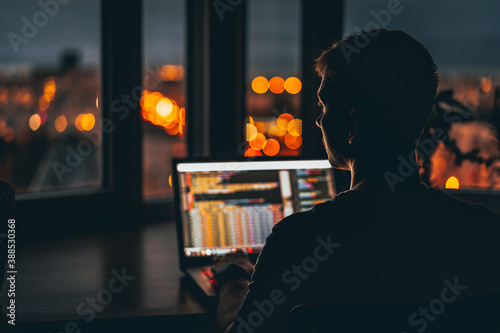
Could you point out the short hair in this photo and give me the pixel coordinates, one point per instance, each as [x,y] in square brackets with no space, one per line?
[386,74]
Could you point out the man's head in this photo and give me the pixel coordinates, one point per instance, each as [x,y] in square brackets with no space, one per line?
[377,90]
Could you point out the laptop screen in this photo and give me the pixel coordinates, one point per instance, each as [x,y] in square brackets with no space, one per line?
[230,206]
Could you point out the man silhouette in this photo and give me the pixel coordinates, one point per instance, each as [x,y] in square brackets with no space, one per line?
[390,239]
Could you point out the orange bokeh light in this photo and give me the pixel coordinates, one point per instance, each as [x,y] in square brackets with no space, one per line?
[78,122]
[260,85]
[259,142]
[171,73]
[277,85]
[293,85]
[60,123]
[252,153]
[272,147]
[87,122]
[295,127]
[43,103]
[283,121]
[293,142]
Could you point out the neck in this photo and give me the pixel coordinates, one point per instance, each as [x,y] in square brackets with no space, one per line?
[393,175]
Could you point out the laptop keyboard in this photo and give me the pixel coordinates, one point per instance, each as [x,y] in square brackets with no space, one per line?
[207,271]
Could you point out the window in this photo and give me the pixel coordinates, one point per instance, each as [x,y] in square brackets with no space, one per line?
[49,95]
[163,101]
[273,96]
[462,40]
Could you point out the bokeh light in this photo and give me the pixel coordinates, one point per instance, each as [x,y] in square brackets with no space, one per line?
[272,147]
[283,121]
[35,121]
[164,107]
[88,122]
[295,127]
[277,85]
[260,85]
[60,123]
[259,142]
[78,122]
[452,183]
[250,132]
[293,142]
[293,85]
[252,153]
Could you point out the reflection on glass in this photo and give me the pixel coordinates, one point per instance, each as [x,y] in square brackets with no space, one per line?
[49,91]
[273,74]
[163,101]
[463,42]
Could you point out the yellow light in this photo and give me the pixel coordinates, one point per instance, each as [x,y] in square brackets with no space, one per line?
[277,85]
[250,120]
[251,132]
[97,102]
[260,85]
[49,89]
[35,121]
[170,180]
[164,107]
[295,127]
[452,183]
[88,121]
[60,123]
[283,121]
[182,116]
[293,85]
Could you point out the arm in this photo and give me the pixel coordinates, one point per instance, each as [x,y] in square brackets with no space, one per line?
[232,291]
[231,296]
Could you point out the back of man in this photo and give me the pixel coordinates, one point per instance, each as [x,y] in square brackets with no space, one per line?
[374,248]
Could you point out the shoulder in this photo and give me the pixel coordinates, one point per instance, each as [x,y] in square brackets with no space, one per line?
[463,207]
[309,219]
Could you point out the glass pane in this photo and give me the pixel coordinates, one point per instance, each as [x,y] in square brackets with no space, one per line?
[49,89]
[274,78]
[163,101]
[463,40]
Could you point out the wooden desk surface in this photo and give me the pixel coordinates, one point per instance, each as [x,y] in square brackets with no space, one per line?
[56,277]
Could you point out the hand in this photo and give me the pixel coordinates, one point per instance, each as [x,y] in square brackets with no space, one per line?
[238,258]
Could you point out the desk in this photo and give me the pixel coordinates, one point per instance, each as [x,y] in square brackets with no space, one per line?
[56,277]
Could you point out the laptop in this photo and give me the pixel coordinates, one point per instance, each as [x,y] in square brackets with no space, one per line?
[226,206]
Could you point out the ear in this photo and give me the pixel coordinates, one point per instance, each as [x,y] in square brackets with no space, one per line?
[353,125]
